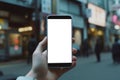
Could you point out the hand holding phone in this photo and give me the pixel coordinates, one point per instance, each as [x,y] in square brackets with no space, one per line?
[40,68]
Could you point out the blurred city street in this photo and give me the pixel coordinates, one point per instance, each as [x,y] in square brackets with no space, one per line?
[95,28]
[86,69]
[16,67]
[13,69]
[89,69]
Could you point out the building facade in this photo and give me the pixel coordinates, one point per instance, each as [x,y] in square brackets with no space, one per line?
[74,9]
[14,19]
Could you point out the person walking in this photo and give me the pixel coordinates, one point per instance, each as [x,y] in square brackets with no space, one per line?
[116,50]
[85,47]
[98,49]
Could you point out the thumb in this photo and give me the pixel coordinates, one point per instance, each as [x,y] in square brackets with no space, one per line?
[44,58]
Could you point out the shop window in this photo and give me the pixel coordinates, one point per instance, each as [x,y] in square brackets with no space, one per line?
[15,44]
[77,34]
[2,40]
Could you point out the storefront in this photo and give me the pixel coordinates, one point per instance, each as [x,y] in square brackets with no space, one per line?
[12,18]
[97,23]
[10,40]
[10,44]
[94,33]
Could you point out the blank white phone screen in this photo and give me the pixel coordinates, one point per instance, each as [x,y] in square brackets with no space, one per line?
[59,41]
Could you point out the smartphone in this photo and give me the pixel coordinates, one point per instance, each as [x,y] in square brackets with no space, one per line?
[59,33]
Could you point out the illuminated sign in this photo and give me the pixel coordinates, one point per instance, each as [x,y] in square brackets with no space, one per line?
[98,15]
[115,20]
[24,29]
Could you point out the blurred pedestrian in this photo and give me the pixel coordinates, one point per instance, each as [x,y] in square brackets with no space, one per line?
[116,50]
[85,47]
[32,43]
[98,49]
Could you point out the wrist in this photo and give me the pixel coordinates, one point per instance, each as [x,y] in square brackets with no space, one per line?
[36,75]
[31,74]
[51,76]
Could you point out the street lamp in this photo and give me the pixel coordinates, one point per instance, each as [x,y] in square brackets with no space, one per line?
[117,27]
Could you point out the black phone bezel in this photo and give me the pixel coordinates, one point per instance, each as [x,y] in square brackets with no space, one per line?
[57,65]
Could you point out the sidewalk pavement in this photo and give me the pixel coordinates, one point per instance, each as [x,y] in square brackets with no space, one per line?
[90,69]
[13,69]
[86,69]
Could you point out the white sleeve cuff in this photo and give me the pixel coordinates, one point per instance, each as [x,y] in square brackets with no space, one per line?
[25,78]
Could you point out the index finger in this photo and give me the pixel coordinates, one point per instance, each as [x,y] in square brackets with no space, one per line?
[43,43]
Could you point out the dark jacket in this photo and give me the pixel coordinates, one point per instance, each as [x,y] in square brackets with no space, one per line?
[98,47]
[85,47]
[116,48]
[32,45]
